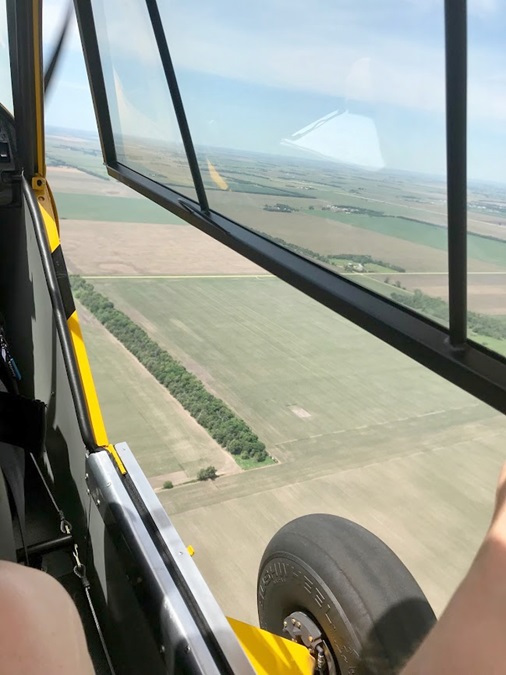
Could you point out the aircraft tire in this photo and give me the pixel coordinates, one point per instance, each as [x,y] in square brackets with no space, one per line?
[370,609]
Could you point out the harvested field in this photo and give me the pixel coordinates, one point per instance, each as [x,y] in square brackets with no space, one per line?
[486,292]
[431,507]
[328,236]
[388,444]
[98,247]
[72,180]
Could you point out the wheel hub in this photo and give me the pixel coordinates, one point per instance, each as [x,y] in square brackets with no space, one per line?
[299,628]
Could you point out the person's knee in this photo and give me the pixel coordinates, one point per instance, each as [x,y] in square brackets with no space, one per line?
[40,629]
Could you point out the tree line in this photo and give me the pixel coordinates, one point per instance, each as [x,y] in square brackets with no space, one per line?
[331,257]
[229,430]
[482,324]
[368,259]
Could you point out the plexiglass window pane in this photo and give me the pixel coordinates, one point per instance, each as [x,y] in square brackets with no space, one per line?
[322,125]
[5,66]
[487,176]
[145,128]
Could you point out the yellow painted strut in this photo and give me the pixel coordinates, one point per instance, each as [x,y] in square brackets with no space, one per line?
[270,654]
[46,205]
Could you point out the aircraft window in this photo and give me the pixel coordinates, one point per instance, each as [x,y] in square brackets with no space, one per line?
[146,133]
[323,126]
[5,69]
[351,425]
[487,177]
[328,130]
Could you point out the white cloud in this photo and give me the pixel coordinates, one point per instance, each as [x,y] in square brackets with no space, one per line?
[343,53]
[334,48]
[310,57]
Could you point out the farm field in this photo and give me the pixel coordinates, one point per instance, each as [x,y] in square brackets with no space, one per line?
[410,234]
[166,440]
[68,179]
[479,248]
[105,248]
[486,292]
[431,507]
[78,151]
[359,430]
[244,339]
[111,208]
[417,249]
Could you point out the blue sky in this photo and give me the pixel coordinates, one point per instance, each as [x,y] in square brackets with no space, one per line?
[254,74]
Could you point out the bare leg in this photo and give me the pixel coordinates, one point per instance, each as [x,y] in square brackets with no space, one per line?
[40,628]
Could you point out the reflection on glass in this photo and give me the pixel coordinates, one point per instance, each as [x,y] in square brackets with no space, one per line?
[145,128]
[487,178]
[5,68]
[322,125]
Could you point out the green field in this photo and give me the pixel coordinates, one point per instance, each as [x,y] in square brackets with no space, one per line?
[164,438]
[106,207]
[83,154]
[481,248]
[244,340]
[359,430]
[385,198]
[415,217]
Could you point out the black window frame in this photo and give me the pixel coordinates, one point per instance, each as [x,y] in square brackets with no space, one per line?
[446,351]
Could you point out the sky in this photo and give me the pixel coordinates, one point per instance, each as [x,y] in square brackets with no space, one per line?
[360,81]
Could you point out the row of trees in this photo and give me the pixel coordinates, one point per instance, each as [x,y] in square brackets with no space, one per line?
[330,258]
[213,414]
[482,324]
[282,208]
[368,259]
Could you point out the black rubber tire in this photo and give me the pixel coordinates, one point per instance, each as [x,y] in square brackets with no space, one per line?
[372,611]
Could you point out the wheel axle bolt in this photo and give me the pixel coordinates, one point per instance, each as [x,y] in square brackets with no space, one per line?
[310,638]
[285,624]
[294,622]
[298,624]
